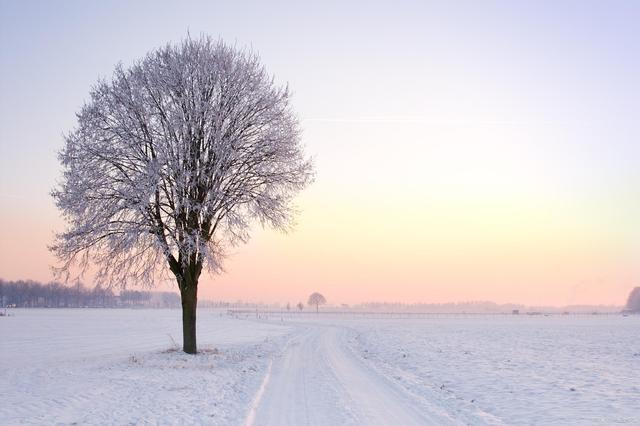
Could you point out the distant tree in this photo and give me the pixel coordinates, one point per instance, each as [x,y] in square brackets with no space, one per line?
[300,306]
[288,306]
[170,300]
[171,162]
[316,299]
[79,293]
[633,303]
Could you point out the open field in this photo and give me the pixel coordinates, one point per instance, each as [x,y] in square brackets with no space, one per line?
[559,370]
[92,366]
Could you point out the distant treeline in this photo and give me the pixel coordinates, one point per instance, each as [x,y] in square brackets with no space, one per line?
[481,307]
[461,307]
[33,294]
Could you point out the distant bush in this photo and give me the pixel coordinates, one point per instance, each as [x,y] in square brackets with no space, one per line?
[633,303]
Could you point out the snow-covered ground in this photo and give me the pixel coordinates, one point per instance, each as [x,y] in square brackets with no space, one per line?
[91,366]
[102,366]
[557,370]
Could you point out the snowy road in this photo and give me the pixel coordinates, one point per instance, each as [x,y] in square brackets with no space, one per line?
[318,380]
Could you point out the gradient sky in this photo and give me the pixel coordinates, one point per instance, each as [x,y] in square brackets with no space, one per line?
[464,150]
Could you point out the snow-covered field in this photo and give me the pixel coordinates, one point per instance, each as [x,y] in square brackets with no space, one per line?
[557,370]
[91,366]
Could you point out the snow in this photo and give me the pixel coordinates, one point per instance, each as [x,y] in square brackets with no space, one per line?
[318,380]
[92,366]
[516,370]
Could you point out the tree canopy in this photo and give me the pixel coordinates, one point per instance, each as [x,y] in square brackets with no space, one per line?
[316,299]
[172,160]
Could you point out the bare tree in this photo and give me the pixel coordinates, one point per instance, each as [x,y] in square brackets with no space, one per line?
[316,299]
[633,302]
[170,163]
[300,306]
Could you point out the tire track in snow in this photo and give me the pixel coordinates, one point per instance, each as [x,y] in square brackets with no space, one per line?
[251,416]
[318,380]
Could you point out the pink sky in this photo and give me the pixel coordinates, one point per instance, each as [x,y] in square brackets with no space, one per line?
[462,152]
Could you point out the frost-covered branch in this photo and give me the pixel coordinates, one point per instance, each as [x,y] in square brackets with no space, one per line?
[173,159]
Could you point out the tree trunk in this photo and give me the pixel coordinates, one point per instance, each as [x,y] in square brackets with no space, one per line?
[189,295]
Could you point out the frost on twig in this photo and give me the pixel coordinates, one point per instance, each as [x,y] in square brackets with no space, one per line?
[172,160]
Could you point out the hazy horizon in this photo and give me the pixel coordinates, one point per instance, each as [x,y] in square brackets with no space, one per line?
[463,152]
[212,298]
